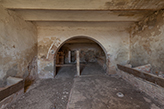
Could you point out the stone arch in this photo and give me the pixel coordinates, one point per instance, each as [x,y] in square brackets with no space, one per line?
[86,37]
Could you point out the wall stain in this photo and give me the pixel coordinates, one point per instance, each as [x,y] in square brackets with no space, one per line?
[147,42]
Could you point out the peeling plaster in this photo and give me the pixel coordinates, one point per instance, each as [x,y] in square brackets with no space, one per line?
[56,43]
[18,44]
[114,40]
[147,44]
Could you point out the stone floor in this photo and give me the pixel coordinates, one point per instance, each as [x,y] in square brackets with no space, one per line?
[89,91]
[100,92]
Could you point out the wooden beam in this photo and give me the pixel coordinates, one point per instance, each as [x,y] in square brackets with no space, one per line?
[83,4]
[69,56]
[84,16]
[78,62]
[63,9]
[146,76]
[64,65]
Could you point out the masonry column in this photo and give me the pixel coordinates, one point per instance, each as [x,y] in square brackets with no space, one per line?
[78,62]
[69,56]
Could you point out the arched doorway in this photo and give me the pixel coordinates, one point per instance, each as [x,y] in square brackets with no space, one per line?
[90,51]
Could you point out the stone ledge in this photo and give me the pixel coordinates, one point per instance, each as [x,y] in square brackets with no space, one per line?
[146,76]
[11,93]
[10,99]
[150,88]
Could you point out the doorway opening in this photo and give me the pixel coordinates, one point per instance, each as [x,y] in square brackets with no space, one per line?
[92,57]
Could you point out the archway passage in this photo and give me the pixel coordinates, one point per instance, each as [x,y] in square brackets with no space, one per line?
[92,57]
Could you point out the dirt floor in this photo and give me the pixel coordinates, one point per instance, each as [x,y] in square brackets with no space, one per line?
[89,91]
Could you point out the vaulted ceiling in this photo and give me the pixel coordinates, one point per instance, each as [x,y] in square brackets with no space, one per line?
[93,11]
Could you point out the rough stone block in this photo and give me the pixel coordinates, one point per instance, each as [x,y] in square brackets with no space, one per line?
[161,74]
[144,68]
[128,65]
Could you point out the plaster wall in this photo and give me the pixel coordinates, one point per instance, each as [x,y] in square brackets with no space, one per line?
[18,45]
[147,42]
[113,37]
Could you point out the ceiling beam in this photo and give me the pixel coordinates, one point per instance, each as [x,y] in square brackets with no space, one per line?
[82,16]
[84,4]
[105,25]
[54,9]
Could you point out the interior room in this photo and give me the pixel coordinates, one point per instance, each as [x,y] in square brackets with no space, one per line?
[88,54]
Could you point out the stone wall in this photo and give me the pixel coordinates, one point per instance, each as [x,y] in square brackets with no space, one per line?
[147,42]
[18,45]
[114,37]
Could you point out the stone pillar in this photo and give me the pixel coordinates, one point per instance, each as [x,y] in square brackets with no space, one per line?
[69,56]
[78,62]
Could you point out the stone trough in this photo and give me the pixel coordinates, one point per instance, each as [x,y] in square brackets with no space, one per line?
[11,92]
[140,77]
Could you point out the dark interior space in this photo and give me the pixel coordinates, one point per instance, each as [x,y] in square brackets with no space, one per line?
[92,56]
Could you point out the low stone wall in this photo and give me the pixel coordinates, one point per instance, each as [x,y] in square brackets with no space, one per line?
[150,88]
[10,99]
[11,93]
